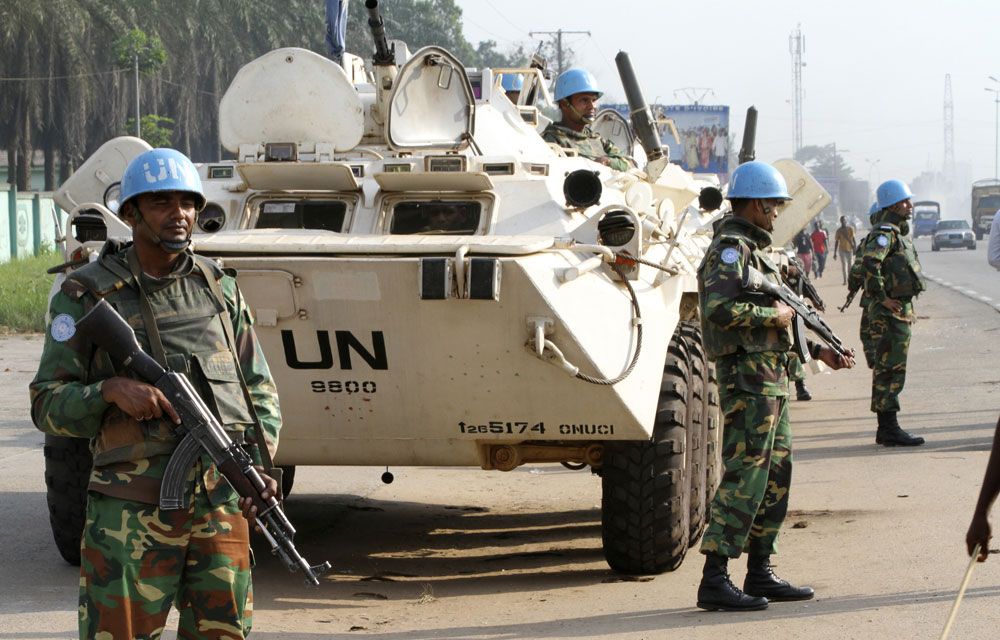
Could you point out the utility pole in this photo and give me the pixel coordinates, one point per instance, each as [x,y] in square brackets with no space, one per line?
[138,125]
[996,128]
[695,94]
[949,132]
[796,47]
[558,37]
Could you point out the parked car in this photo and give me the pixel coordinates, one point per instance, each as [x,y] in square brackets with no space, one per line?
[953,234]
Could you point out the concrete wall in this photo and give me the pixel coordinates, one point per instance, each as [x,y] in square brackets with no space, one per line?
[28,219]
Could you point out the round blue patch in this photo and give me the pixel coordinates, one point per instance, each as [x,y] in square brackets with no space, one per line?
[730,255]
[882,241]
[63,327]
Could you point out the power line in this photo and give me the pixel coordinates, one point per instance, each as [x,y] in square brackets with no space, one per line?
[75,75]
[504,16]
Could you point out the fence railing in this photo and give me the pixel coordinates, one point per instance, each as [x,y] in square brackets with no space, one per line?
[28,223]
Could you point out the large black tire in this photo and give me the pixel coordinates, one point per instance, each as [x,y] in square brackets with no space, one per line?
[67,473]
[697,408]
[713,439]
[645,507]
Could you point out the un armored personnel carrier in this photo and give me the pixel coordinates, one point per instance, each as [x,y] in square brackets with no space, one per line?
[434,284]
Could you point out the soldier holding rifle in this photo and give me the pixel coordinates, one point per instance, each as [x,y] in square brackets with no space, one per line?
[748,337]
[139,559]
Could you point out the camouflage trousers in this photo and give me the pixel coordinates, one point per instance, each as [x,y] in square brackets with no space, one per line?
[885,338]
[752,498]
[138,560]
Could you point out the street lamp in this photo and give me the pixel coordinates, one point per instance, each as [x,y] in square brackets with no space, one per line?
[996,128]
[871,166]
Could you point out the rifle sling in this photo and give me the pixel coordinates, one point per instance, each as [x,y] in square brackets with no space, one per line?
[227,325]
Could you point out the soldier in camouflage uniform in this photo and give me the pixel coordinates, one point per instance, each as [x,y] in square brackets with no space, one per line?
[891,276]
[749,339]
[137,560]
[577,94]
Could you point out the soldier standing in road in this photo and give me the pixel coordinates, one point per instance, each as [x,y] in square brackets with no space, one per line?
[138,560]
[749,340]
[891,279]
[576,93]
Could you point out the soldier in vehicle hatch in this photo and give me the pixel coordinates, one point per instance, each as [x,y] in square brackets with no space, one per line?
[891,276]
[576,93]
[138,560]
[750,342]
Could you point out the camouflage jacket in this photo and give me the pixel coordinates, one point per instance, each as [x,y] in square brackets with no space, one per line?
[739,329]
[890,266]
[586,143]
[130,456]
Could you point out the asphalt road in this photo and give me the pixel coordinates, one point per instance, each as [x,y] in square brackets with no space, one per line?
[966,271]
[450,554]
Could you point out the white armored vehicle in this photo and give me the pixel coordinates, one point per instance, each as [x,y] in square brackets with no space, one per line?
[434,284]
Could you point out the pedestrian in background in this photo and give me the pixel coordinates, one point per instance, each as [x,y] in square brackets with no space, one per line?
[844,246]
[979,532]
[804,250]
[819,239]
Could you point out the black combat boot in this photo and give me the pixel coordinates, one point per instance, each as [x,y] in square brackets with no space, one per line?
[801,393]
[762,582]
[717,592]
[890,434]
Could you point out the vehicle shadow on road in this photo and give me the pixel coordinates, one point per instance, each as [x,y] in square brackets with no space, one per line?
[403,550]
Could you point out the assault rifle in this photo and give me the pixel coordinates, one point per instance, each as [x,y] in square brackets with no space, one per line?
[754,281]
[200,432]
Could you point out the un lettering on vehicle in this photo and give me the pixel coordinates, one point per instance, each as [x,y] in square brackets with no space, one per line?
[348,345]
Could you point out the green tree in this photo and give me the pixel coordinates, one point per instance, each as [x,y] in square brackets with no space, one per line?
[156,130]
[823,160]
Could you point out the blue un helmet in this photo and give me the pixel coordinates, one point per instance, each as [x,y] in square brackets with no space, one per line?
[511,82]
[161,170]
[892,191]
[757,180]
[872,209]
[573,81]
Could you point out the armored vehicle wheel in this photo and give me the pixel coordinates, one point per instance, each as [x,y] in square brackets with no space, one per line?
[67,473]
[713,436]
[697,411]
[645,505]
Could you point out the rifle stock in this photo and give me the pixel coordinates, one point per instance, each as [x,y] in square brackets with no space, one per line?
[201,432]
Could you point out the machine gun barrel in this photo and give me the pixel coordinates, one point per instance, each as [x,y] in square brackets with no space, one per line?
[642,119]
[201,432]
[754,281]
[748,151]
[384,54]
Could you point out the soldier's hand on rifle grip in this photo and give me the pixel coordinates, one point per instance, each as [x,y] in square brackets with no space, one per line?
[893,305]
[785,314]
[835,360]
[247,505]
[140,400]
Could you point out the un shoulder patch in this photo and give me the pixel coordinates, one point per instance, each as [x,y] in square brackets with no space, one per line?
[730,255]
[63,327]
[883,241]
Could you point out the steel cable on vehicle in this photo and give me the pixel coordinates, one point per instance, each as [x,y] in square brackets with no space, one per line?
[637,321]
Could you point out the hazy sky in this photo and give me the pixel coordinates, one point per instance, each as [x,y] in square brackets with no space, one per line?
[874,76]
